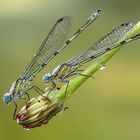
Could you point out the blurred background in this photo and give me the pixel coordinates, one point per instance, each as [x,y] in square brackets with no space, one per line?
[107,108]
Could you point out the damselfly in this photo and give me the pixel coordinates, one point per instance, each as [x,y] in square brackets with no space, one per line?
[51,46]
[110,41]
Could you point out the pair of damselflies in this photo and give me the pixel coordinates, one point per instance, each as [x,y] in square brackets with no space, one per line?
[53,44]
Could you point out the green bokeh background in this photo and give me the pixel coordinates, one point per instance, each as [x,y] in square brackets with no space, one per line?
[107,108]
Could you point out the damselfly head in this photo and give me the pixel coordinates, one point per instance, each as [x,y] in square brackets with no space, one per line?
[47,78]
[7,97]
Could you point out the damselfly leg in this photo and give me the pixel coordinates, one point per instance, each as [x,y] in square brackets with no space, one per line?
[73,74]
[37,89]
[15,110]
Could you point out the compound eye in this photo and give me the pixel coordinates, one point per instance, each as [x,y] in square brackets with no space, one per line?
[47,78]
[7,98]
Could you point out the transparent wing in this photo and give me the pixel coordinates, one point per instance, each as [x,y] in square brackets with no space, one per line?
[108,42]
[48,49]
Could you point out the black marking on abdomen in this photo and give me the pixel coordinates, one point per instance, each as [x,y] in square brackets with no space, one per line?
[133,37]
[43,65]
[108,49]
[123,42]
[55,53]
[68,41]
[79,30]
[125,24]
[59,20]
[92,57]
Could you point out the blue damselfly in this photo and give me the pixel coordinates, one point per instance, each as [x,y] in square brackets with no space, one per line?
[50,47]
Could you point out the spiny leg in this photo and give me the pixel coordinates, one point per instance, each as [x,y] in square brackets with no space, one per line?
[28,96]
[77,73]
[37,89]
[72,74]
[67,81]
[84,75]
[15,110]
[67,85]
[26,102]
[53,87]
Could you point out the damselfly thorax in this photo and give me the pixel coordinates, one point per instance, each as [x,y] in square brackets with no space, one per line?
[60,71]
